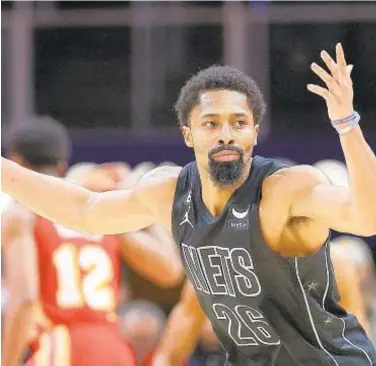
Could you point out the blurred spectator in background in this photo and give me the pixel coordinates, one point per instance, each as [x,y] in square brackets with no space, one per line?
[335,170]
[358,253]
[140,169]
[142,323]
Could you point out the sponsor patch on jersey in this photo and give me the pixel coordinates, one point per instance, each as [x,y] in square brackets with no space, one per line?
[238,224]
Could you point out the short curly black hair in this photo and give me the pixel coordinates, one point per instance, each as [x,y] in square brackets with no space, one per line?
[40,140]
[215,78]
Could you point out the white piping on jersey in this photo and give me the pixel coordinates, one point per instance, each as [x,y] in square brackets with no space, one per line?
[310,314]
[354,345]
[327,278]
[343,321]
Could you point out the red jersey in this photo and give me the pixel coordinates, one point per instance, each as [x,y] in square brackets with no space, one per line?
[79,275]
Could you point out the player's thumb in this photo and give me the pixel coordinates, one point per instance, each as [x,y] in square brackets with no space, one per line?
[350,68]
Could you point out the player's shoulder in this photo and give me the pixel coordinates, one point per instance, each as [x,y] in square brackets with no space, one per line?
[156,190]
[161,177]
[295,177]
[165,171]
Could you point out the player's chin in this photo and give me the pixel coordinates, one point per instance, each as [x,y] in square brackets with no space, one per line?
[225,173]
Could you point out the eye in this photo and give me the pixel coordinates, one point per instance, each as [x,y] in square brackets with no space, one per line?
[209,124]
[240,123]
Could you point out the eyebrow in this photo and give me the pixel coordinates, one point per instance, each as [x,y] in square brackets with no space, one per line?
[218,115]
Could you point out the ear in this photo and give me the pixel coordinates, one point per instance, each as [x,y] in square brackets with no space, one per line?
[256,134]
[187,136]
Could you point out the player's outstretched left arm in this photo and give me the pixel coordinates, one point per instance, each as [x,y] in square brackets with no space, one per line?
[345,210]
[89,212]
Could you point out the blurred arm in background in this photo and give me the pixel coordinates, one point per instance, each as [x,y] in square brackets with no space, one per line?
[153,253]
[22,281]
[183,331]
[209,340]
[349,284]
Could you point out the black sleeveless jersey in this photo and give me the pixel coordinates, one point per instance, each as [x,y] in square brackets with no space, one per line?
[265,309]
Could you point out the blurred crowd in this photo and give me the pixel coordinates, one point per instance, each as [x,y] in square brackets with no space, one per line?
[143,308]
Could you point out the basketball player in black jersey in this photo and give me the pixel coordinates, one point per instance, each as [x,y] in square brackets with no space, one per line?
[253,234]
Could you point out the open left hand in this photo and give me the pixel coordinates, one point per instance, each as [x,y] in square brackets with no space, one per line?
[339,93]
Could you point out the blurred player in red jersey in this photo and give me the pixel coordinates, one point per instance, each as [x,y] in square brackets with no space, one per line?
[64,286]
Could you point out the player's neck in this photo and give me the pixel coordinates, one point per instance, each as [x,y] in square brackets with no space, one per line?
[215,198]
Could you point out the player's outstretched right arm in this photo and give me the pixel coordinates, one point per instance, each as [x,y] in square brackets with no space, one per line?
[89,212]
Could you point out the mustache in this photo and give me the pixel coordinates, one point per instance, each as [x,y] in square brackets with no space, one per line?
[220,148]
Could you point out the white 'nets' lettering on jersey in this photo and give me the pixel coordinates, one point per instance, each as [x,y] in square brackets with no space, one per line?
[221,271]
[230,272]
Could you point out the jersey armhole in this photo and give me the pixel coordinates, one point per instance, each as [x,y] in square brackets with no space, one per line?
[184,185]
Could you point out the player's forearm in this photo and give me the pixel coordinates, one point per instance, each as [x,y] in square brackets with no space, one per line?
[181,336]
[18,323]
[361,164]
[50,197]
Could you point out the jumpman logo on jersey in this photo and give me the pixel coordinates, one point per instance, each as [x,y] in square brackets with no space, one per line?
[328,321]
[186,218]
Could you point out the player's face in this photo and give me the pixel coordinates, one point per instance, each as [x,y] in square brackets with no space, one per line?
[222,134]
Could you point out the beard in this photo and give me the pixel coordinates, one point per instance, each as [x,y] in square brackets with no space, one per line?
[226,173]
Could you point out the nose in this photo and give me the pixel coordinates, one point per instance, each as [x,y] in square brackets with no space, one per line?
[225,135]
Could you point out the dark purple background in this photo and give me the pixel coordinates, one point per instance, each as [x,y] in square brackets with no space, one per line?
[111,145]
